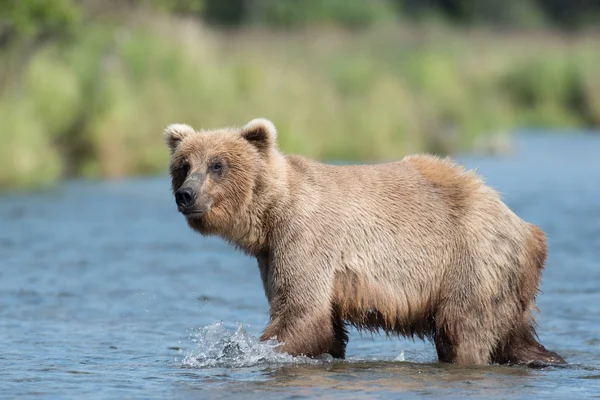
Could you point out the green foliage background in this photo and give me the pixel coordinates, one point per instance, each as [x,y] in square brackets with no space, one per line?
[87,86]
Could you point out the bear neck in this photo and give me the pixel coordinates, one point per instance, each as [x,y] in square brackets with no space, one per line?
[267,208]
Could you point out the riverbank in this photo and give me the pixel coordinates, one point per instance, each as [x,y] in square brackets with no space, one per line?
[94,105]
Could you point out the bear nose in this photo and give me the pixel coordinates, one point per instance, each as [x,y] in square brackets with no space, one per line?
[185,197]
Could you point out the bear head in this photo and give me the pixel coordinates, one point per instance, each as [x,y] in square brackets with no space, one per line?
[216,174]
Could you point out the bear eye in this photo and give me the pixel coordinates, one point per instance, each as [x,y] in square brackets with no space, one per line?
[184,167]
[216,166]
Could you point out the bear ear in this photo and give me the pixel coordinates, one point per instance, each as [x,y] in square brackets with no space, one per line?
[175,133]
[260,132]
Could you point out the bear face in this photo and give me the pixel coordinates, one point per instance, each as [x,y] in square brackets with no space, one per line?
[215,173]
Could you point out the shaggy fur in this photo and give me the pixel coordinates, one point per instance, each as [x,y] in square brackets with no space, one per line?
[416,247]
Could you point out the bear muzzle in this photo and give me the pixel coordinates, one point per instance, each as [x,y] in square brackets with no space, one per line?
[188,202]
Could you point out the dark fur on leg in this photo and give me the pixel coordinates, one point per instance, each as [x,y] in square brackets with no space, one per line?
[523,349]
[444,347]
[338,348]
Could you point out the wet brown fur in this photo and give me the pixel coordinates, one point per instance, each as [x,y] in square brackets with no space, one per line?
[418,247]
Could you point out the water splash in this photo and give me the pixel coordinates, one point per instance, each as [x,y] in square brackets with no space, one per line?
[400,357]
[218,347]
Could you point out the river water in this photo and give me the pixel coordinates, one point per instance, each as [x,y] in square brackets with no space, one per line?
[106,293]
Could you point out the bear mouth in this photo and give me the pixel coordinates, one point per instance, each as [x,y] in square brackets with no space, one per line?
[193,214]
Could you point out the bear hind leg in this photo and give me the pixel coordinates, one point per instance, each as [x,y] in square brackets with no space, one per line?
[522,348]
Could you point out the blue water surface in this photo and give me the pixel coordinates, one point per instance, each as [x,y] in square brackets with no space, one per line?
[106,293]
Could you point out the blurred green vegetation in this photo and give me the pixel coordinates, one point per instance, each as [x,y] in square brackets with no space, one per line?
[563,14]
[87,86]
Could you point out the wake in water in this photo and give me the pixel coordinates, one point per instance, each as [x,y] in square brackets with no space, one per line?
[216,346]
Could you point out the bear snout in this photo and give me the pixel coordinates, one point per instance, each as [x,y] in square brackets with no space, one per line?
[190,204]
[185,197]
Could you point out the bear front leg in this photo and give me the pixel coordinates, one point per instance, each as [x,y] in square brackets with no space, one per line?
[308,336]
[302,316]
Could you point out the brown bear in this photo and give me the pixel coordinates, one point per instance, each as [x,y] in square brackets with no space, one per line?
[415,247]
